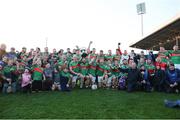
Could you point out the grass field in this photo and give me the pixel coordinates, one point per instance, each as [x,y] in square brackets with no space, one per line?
[87,104]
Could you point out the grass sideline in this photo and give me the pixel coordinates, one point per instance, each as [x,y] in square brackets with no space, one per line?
[87,104]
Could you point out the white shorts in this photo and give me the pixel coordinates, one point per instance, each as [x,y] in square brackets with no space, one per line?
[74,78]
[109,80]
[56,83]
[93,79]
[100,79]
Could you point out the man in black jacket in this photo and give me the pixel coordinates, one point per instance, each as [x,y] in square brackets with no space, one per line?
[134,77]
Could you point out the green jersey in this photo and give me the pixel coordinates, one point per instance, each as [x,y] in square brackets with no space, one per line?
[7,71]
[175,56]
[123,66]
[100,69]
[109,57]
[151,69]
[92,56]
[69,57]
[78,56]
[1,76]
[115,70]
[61,63]
[74,66]
[84,68]
[108,70]
[163,56]
[37,73]
[92,69]
[117,57]
[65,74]
[141,64]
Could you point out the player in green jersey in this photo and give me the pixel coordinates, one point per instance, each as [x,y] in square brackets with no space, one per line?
[115,73]
[92,70]
[84,67]
[100,71]
[175,56]
[74,69]
[106,83]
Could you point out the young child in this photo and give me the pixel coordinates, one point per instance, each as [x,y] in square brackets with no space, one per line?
[37,76]
[64,79]
[56,80]
[26,81]
[48,72]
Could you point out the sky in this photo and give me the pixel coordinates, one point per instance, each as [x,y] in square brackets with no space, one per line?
[67,23]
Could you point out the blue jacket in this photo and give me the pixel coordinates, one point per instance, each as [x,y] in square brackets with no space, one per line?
[172,76]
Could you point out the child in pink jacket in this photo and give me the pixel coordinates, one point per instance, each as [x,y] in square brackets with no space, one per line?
[26,81]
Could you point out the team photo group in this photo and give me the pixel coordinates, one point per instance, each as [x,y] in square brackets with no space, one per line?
[37,70]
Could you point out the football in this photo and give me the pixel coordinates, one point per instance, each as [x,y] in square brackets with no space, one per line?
[94,87]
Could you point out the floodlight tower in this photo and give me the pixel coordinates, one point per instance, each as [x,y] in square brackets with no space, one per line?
[141,9]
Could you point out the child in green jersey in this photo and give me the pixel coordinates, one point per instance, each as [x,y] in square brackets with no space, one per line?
[37,77]
[64,79]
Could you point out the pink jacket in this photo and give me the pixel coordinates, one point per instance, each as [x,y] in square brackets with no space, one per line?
[26,79]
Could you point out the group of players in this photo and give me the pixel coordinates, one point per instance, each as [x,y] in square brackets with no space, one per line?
[37,71]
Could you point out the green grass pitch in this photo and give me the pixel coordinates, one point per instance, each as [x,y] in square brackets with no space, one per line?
[87,104]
